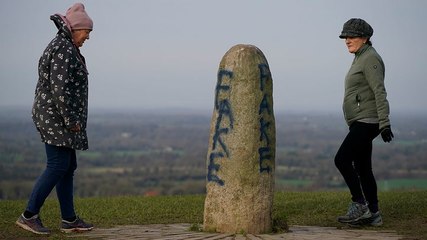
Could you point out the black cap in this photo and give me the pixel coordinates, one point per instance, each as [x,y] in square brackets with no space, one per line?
[356,27]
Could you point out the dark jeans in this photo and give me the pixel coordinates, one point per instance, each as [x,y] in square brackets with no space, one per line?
[354,162]
[59,172]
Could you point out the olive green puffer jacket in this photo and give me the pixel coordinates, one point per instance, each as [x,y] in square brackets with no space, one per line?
[365,95]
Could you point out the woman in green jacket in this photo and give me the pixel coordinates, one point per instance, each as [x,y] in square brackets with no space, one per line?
[366,111]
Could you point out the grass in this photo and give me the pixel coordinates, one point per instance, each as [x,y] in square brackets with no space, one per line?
[294,182]
[403,211]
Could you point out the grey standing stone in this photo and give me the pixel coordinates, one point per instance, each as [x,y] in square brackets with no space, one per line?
[242,146]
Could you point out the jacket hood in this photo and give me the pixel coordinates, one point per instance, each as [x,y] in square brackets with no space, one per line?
[62,25]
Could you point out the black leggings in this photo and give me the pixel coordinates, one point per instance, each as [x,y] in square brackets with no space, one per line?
[354,162]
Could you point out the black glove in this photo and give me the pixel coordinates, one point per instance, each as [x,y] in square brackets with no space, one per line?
[387,134]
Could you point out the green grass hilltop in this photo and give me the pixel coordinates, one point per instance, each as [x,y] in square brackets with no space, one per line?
[403,211]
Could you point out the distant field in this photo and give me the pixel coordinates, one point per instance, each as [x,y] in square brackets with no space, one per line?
[126,153]
[383,185]
[140,153]
[294,183]
[395,184]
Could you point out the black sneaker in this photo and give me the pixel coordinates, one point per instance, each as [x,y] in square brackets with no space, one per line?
[33,224]
[356,212]
[77,226]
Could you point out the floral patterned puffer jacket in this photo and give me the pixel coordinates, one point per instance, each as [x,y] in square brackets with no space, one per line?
[61,95]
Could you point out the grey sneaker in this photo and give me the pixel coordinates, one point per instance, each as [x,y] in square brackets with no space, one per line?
[356,212]
[375,220]
[77,226]
[33,224]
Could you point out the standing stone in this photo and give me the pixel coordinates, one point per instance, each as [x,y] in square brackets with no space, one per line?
[242,146]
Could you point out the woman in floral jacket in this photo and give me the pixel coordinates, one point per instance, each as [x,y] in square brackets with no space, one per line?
[60,115]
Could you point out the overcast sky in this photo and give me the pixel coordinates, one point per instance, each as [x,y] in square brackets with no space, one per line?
[163,54]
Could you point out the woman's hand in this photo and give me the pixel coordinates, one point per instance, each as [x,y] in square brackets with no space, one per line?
[76,128]
[387,134]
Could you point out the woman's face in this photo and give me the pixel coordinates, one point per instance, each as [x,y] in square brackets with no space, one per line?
[80,36]
[355,43]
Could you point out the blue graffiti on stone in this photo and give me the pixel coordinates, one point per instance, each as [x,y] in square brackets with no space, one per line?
[220,87]
[265,111]
[222,126]
[264,106]
[264,155]
[263,130]
[264,73]
[213,167]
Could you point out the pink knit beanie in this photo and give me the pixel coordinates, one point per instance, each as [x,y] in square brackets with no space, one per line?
[78,18]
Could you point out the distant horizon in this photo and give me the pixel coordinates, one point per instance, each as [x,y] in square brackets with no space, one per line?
[206,111]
